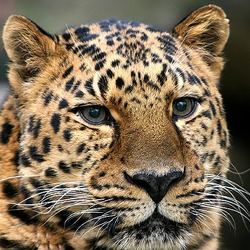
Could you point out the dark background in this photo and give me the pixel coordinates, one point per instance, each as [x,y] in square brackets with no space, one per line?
[55,15]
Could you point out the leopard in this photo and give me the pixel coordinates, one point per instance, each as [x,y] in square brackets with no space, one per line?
[114,135]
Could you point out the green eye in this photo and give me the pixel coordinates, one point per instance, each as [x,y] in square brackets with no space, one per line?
[184,107]
[94,115]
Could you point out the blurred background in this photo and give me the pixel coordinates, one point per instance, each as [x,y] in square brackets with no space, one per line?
[54,16]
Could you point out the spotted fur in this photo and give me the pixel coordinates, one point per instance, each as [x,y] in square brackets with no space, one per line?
[114,136]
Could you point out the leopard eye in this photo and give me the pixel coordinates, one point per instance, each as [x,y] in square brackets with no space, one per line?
[184,107]
[94,115]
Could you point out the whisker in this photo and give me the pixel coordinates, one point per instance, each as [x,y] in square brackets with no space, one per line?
[223,197]
[18,177]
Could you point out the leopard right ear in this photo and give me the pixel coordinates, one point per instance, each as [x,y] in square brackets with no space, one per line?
[207,30]
[28,48]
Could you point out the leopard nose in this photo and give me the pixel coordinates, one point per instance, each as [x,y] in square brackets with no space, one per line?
[154,184]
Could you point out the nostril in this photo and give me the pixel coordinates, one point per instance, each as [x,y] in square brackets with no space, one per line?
[154,184]
[141,180]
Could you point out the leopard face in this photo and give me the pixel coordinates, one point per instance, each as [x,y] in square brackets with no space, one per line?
[123,139]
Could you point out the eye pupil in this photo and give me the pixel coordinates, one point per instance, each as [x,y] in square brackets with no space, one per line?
[94,112]
[181,106]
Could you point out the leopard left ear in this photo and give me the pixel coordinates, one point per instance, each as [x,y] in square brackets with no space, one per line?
[207,30]
[28,48]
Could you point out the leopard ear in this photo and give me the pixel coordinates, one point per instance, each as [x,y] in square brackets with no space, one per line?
[28,48]
[207,30]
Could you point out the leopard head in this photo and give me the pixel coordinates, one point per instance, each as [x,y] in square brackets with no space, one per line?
[123,137]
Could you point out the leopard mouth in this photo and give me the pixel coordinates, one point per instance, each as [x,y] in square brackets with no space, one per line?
[157,221]
[154,232]
[155,226]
